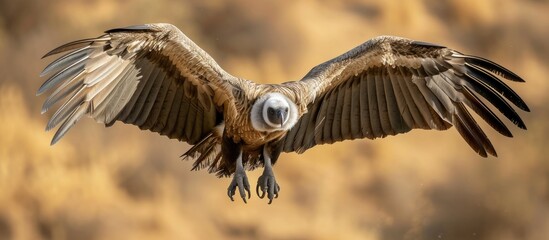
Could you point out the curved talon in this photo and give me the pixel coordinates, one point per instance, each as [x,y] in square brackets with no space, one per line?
[248,191]
[263,183]
[247,187]
[273,193]
[268,186]
[230,194]
[263,190]
[277,190]
[239,181]
[270,193]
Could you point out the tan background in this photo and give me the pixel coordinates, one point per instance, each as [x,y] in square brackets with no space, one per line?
[121,183]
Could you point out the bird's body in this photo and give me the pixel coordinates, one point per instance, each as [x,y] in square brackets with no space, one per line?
[154,77]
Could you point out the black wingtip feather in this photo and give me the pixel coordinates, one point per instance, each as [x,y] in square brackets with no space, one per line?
[495,68]
[494,98]
[472,133]
[470,139]
[130,28]
[502,88]
[427,44]
[483,111]
[491,66]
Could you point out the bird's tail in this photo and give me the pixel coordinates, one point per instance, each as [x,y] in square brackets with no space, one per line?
[206,153]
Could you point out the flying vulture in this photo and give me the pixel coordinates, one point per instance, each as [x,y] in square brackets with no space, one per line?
[155,77]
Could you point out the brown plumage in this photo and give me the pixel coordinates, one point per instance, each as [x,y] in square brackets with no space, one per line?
[156,78]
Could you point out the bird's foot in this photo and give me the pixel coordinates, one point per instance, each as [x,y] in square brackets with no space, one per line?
[240,180]
[267,184]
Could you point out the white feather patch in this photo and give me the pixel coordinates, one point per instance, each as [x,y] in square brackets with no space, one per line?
[259,118]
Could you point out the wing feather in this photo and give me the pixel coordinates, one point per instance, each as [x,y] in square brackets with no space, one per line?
[320,123]
[66,60]
[158,101]
[197,126]
[365,123]
[477,85]
[165,108]
[142,98]
[390,85]
[419,122]
[173,114]
[346,111]
[382,104]
[497,85]
[300,134]
[67,73]
[146,71]
[191,116]
[121,93]
[355,109]
[290,144]
[148,75]
[150,100]
[483,111]
[66,109]
[182,118]
[419,100]
[338,122]
[373,107]
[431,99]
[63,91]
[402,111]
[330,115]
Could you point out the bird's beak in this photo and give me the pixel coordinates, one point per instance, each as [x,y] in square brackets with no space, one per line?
[281,118]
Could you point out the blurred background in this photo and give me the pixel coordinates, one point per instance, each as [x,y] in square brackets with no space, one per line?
[122,183]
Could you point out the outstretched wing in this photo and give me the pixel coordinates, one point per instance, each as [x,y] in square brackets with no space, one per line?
[390,85]
[151,76]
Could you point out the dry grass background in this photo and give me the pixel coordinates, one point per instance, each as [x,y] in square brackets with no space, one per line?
[122,183]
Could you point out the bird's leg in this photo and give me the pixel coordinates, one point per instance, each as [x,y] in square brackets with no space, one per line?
[266,181]
[240,180]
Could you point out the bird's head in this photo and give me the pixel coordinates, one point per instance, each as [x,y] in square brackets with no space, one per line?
[273,112]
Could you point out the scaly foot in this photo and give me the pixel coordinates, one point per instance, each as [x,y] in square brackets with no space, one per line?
[240,180]
[267,184]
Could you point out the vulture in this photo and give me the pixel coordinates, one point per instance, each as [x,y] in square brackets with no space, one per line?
[153,76]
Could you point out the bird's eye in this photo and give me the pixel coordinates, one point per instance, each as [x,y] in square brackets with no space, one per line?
[271,111]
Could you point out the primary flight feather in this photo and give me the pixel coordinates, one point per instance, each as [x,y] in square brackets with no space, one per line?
[154,77]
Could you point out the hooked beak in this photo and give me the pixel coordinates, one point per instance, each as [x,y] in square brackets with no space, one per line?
[281,117]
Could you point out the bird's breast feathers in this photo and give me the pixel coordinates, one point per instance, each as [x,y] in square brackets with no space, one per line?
[239,126]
